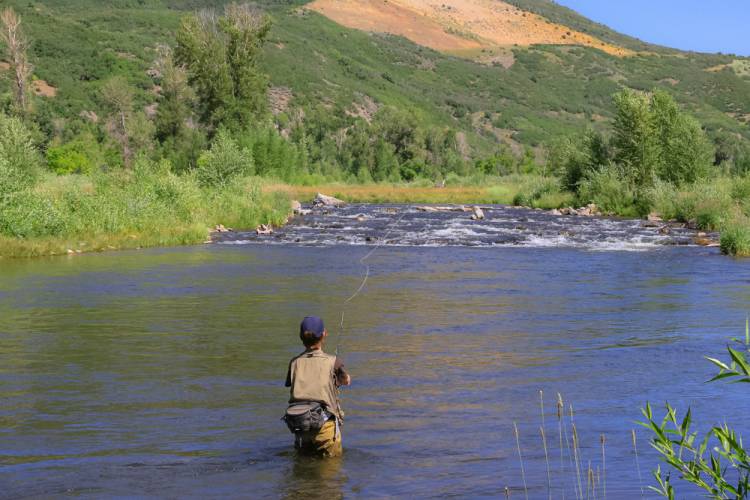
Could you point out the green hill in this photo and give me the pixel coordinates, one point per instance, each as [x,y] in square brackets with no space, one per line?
[341,73]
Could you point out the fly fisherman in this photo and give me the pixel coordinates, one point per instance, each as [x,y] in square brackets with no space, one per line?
[314,414]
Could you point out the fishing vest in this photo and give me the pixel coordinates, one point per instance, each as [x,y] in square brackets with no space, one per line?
[313,379]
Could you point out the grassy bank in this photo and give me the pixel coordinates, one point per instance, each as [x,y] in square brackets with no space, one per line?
[530,190]
[145,207]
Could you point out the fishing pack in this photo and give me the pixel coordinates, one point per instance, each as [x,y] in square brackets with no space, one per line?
[305,416]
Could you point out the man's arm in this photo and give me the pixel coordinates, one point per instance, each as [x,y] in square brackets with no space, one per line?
[288,382]
[342,378]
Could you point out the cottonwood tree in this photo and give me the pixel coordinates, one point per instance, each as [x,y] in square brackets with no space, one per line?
[132,130]
[221,57]
[16,51]
[176,130]
[176,96]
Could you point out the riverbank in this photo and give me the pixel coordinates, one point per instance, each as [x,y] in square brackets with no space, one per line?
[145,207]
[507,190]
[151,207]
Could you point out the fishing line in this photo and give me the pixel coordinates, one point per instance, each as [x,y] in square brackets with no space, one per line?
[363,263]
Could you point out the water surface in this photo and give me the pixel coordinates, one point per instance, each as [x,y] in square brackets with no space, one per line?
[161,372]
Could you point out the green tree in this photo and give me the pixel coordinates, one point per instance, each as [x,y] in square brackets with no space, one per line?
[175,98]
[118,97]
[20,161]
[221,57]
[634,137]
[684,152]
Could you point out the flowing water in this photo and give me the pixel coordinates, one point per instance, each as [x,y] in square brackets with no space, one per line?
[160,372]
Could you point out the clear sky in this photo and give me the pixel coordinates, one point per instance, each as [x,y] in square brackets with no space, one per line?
[705,26]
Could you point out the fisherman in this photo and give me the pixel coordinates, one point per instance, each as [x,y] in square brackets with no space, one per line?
[314,414]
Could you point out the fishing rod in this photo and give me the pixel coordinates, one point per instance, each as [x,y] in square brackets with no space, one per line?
[363,262]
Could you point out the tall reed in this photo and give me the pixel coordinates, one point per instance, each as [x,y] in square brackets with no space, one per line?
[520,459]
[603,441]
[546,461]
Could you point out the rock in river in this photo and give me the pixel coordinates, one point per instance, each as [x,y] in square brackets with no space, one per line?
[477,213]
[322,200]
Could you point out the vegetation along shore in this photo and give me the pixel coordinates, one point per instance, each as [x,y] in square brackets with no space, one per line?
[132,141]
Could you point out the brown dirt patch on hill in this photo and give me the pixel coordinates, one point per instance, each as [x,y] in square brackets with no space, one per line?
[457,26]
[389,16]
[44,89]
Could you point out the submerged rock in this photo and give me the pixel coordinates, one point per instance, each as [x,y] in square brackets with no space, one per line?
[322,200]
[705,242]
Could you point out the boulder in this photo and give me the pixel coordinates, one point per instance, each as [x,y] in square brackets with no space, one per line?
[593,209]
[654,217]
[264,229]
[456,208]
[555,211]
[221,229]
[322,200]
[665,229]
[477,213]
[296,207]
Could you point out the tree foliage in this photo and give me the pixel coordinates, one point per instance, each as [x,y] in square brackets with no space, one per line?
[20,162]
[221,57]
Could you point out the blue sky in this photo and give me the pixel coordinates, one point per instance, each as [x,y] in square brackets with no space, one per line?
[718,26]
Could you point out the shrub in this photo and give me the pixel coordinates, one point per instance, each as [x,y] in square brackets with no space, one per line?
[660,198]
[224,161]
[20,162]
[533,189]
[26,214]
[608,190]
[735,239]
[68,159]
[718,464]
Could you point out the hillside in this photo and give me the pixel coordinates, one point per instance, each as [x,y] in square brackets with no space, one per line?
[328,71]
[468,27]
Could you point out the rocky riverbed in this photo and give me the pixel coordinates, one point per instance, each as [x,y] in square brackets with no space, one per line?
[456,225]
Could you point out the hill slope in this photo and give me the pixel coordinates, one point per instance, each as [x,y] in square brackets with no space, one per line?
[455,26]
[324,71]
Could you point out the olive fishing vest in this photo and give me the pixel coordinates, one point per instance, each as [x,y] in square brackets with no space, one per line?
[313,379]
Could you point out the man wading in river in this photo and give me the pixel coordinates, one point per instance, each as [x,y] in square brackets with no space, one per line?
[314,414]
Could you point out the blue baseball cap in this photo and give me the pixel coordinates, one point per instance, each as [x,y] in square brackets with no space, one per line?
[312,324]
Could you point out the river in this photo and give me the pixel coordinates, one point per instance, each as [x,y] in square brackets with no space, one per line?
[160,372]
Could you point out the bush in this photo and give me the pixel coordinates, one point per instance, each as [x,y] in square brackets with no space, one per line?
[735,239]
[26,214]
[68,159]
[223,162]
[533,189]
[606,188]
[20,162]
[709,202]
